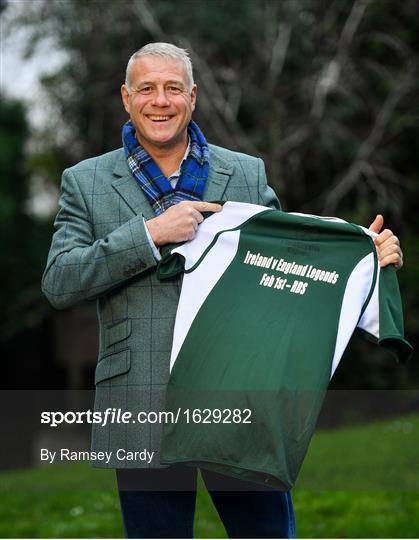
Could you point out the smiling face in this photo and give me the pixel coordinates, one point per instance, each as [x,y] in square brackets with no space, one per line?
[159,102]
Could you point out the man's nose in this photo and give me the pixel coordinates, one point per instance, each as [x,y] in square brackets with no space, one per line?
[160,98]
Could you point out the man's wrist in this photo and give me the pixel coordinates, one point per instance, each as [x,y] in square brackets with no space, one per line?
[153,246]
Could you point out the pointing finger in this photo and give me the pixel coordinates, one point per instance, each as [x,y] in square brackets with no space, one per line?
[202,206]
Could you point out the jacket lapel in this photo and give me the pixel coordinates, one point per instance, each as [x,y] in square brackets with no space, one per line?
[219,175]
[129,189]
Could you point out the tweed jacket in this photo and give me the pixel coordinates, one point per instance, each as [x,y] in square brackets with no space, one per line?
[100,251]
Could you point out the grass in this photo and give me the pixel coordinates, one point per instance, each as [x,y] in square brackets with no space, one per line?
[356,482]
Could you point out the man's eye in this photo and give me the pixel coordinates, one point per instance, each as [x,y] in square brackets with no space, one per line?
[145,90]
[174,89]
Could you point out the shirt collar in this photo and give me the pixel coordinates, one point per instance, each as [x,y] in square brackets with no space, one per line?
[176,173]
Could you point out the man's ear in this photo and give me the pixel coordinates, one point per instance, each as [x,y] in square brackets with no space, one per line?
[125,97]
[193,96]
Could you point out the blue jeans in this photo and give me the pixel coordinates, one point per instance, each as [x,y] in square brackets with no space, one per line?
[160,503]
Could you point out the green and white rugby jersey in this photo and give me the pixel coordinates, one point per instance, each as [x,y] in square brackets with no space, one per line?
[268,304]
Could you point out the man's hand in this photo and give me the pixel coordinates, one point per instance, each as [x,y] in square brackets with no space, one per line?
[179,222]
[387,244]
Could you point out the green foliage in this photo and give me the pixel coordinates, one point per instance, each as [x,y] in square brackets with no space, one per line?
[13,187]
[380,456]
[376,514]
[24,241]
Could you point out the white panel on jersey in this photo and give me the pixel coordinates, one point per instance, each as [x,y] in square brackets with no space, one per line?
[370,321]
[368,232]
[324,218]
[197,286]
[357,289]
[232,216]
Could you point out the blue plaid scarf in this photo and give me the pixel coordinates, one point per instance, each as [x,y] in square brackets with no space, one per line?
[193,174]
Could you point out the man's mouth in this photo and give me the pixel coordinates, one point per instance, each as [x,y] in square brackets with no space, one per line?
[158,117]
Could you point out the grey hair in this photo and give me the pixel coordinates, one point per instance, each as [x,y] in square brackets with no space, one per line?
[164,50]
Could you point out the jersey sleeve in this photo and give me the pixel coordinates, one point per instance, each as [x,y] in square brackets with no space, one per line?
[170,264]
[382,320]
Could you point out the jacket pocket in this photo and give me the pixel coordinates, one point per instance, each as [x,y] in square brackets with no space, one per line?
[118,332]
[112,365]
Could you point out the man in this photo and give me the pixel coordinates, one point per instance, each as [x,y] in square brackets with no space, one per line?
[116,210]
